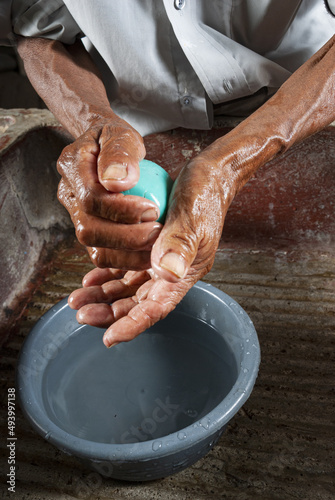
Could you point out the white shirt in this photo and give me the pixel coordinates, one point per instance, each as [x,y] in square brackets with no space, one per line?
[168,63]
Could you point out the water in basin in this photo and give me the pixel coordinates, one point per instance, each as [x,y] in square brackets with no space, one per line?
[157,384]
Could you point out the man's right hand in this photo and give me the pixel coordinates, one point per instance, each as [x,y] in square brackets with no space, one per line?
[103,160]
[100,164]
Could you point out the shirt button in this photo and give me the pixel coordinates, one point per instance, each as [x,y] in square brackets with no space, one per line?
[179,4]
[187,100]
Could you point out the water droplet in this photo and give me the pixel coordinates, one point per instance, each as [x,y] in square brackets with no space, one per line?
[156,445]
[181,435]
[204,422]
[240,391]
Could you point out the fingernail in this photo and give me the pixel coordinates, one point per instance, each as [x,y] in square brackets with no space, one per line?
[115,172]
[174,263]
[154,235]
[110,345]
[149,215]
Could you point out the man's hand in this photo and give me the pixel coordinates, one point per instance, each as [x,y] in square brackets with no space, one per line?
[103,160]
[95,168]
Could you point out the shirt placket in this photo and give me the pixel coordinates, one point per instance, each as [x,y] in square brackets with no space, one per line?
[218,72]
[193,102]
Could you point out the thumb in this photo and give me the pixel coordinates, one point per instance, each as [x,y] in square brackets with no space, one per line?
[118,161]
[175,250]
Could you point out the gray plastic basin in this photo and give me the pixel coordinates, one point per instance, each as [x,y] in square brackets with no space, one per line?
[148,408]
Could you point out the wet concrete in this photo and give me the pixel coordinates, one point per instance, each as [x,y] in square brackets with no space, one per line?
[278,263]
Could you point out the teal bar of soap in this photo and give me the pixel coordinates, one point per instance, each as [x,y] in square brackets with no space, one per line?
[154,184]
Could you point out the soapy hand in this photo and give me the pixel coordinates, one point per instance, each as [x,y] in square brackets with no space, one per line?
[100,164]
[102,161]
[128,303]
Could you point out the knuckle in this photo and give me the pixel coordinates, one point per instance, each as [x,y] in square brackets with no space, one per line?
[60,166]
[116,216]
[86,199]
[102,258]
[98,257]
[61,192]
[118,134]
[65,196]
[84,234]
[65,158]
[187,240]
[72,154]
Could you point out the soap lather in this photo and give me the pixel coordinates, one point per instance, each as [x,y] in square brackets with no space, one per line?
[154,184]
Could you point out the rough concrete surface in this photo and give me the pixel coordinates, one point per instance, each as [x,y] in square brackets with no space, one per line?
[30,214]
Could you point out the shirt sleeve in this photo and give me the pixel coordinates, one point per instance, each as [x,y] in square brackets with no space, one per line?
[37,18]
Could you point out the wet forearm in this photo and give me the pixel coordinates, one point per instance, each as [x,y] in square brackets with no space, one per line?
[304,105]
[67,80]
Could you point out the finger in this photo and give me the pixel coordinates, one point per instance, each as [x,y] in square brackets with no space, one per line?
[139,318]
[93,199]
[121,149]
[99,276]
[99,315]
[99,232]
[93,231]
[108,292]
[88,295]
[153,301]
[192,230]
[103,315]
[104,294]
[121,259]
[84,153]
[175,249]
